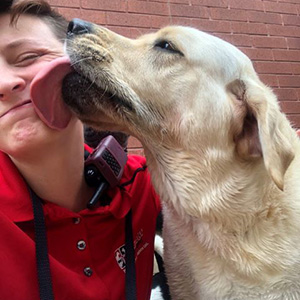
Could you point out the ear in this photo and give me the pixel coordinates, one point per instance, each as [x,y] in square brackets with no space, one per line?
[264,130]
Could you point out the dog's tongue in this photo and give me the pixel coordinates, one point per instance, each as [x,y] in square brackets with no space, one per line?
[46,94]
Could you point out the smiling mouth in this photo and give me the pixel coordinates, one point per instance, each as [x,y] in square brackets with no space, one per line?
[15,107]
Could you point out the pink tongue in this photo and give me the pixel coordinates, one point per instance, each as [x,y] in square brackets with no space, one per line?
[46,94]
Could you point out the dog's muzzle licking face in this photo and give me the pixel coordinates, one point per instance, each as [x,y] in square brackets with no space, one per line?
[90,88]
[85,97]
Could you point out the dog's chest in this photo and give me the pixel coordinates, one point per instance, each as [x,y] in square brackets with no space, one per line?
[194,273]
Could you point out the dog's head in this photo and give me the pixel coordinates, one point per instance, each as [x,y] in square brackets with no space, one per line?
[178,87]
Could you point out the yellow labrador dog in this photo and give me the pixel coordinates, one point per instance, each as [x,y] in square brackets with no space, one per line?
[223,158]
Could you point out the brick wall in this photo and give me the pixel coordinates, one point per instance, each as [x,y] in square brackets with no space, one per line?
[267,31]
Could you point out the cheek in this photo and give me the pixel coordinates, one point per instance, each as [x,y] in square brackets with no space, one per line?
[31,71]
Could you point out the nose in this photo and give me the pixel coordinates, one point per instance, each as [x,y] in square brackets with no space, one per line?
[10,85]
[78,26]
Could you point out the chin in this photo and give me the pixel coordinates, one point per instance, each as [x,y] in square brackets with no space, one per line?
[27,137]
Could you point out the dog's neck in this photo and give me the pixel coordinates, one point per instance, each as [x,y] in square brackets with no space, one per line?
[208,184]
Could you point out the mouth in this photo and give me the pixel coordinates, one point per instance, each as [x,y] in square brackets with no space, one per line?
[21,104]
[78,92]
[86,97]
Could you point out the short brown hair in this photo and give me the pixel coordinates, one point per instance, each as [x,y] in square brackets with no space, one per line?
[38,8]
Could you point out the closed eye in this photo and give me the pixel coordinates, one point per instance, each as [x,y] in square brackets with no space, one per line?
[27,59]
[167,46]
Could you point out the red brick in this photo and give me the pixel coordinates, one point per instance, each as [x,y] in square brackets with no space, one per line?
[224,36]
[280,7]
[151,8]
[263,17]
[65,3]
[289,1]
[137,32]
[246,4]
[287,31]
[270,80]
[113,5]
[273,68]
[228,14]
[291,20]
[70,13]
[290,107]
[125,19]
[286,94]
[125,31]
[160,21]
[298,91]
[259,54]
[211,26]
[241,40]
[210,3]
[295,120]
[170,1]
[236,39]
[134,142]
[94,16]
[250,28]
[189,11]
[176,1]
[295,69]
[180,21]
[286,55]
[136,152]
[289,81]
[293,43]
[269,42]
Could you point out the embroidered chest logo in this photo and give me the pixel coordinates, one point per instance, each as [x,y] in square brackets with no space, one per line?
[120,257]
[139,246]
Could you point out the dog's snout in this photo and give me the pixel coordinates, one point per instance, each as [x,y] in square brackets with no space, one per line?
[78,26]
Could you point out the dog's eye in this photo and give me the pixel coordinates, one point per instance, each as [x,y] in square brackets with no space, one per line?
[166,46]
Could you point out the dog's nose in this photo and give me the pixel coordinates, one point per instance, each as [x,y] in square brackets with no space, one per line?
[78,26]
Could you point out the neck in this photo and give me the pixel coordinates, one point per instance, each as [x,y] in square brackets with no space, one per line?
[55,173]
[195,184]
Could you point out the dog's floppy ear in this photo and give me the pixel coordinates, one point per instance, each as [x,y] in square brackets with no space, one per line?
[263,129]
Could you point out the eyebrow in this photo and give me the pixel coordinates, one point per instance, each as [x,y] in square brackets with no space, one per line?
[21,42]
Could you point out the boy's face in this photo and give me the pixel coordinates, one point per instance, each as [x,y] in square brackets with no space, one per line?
[24,50]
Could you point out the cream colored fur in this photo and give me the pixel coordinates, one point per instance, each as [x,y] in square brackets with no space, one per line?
[223,158]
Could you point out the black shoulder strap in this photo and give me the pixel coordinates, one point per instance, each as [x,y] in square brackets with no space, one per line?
[130,260]
[41,249]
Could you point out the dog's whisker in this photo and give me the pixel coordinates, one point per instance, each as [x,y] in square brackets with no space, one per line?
[81,60]
[112,95]
[104,91]
[91,84]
